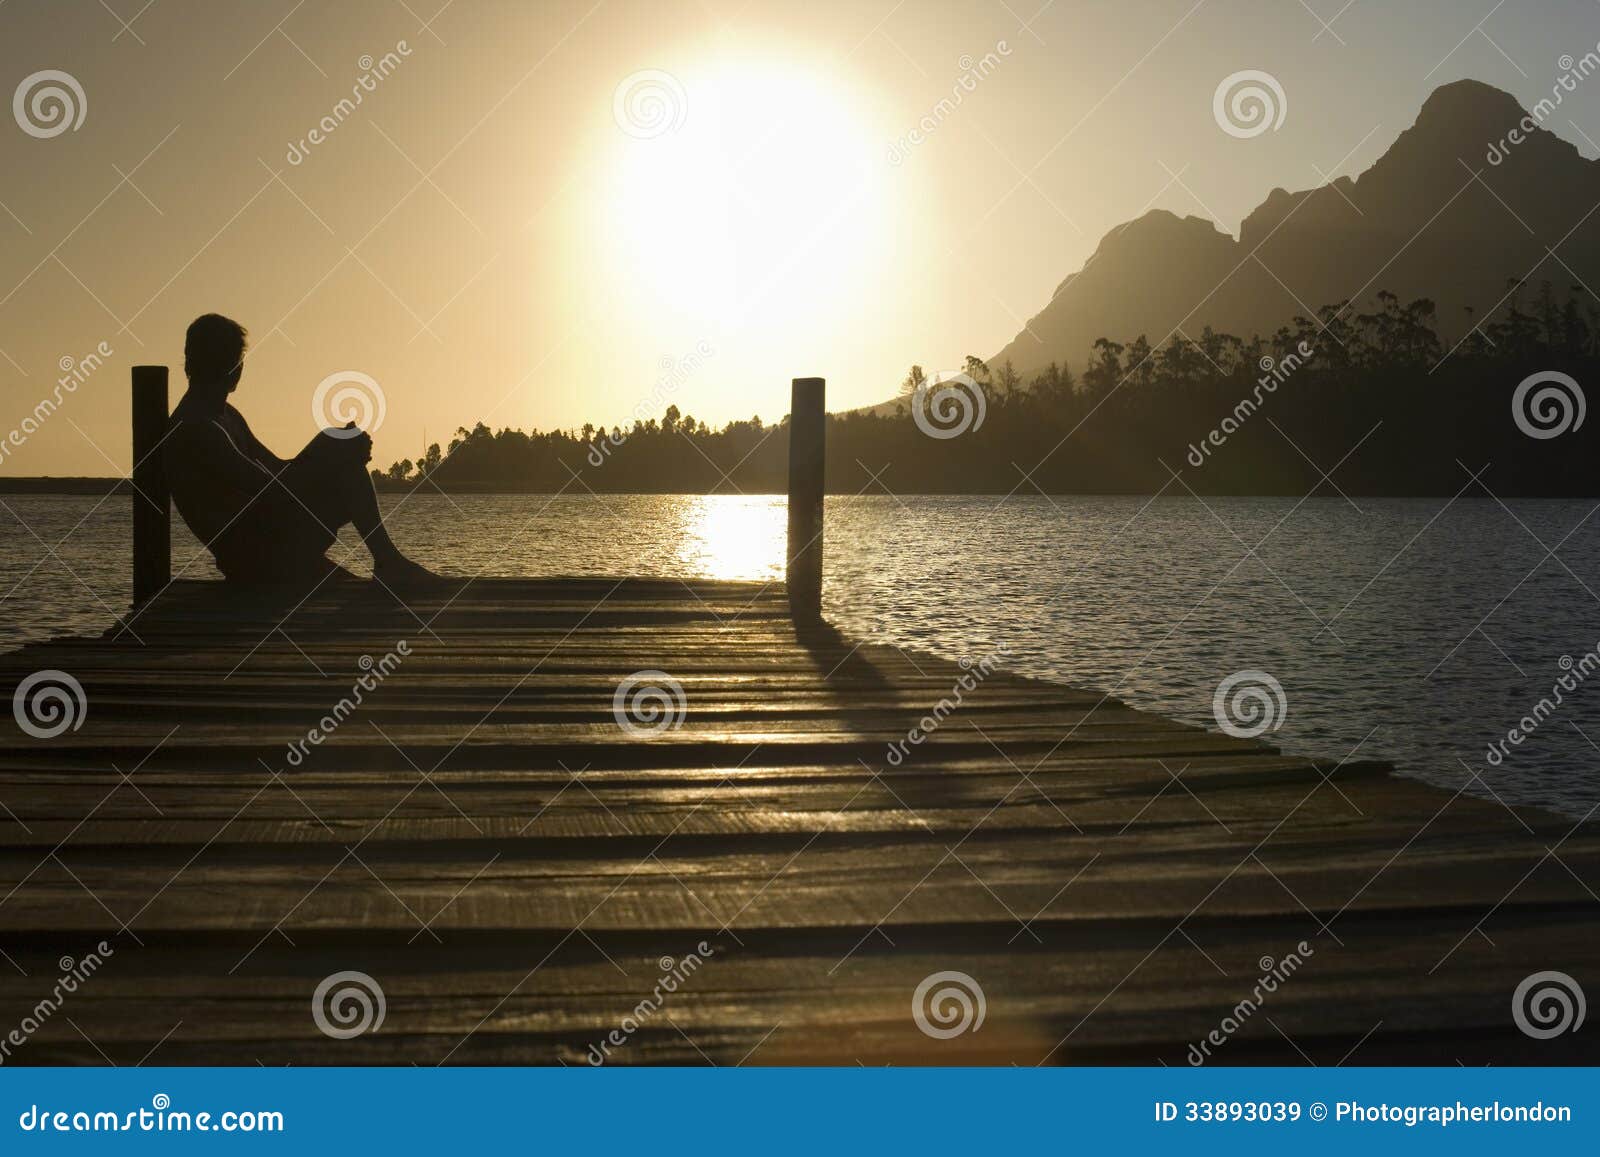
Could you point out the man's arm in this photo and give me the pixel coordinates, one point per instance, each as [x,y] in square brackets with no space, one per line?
[252,447]
[207,452]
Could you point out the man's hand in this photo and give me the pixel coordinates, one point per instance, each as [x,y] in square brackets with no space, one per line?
[360,444]
[340,446]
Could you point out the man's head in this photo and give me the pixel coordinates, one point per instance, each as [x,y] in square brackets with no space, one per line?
[213,352]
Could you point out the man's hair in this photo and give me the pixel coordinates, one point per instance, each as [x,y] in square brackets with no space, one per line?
[213,348]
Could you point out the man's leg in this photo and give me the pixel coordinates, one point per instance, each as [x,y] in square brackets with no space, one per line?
[360,507]
[359,504]
[332,493]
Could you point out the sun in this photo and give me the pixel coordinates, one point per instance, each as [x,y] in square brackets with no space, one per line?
[754,200]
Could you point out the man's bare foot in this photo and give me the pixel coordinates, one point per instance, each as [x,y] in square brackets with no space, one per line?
[400,572]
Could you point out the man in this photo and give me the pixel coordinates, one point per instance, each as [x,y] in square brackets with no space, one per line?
[264,518]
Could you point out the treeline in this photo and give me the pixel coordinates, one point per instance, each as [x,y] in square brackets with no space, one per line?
[1374,398]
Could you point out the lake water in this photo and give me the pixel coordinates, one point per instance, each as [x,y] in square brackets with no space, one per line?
[1418,630]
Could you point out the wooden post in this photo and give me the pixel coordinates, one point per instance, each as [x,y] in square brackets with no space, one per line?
[152,506]
[807,446]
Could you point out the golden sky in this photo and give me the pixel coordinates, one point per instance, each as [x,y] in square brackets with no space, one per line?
[538,211]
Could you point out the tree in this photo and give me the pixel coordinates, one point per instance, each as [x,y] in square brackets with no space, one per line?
[1517,334]
[1141,363]
[913,382]
[1008,381]
[1222,350]
[1180,362]
[1574,333]
[1105,368]
[1054,383]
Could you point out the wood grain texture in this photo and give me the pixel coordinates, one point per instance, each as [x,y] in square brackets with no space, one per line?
[515,869]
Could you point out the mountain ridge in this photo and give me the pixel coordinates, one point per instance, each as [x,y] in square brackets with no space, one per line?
[1432,217]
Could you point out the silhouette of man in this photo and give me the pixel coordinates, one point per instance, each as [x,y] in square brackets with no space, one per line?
[267,519]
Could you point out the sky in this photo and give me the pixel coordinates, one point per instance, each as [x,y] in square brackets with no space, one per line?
[549,213]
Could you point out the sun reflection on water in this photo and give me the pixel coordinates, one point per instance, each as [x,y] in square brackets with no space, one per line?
[734,536]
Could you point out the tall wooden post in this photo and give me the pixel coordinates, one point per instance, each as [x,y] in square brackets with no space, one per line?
[152,506]
[807,446]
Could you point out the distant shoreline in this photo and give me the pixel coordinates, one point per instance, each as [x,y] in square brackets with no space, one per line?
[100,487]
[64,485]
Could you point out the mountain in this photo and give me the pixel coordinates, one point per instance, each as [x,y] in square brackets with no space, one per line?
[1418,223]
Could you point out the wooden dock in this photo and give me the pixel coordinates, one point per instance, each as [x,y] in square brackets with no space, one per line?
[517,871]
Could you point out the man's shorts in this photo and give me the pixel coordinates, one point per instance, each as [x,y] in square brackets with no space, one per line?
[288,527]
